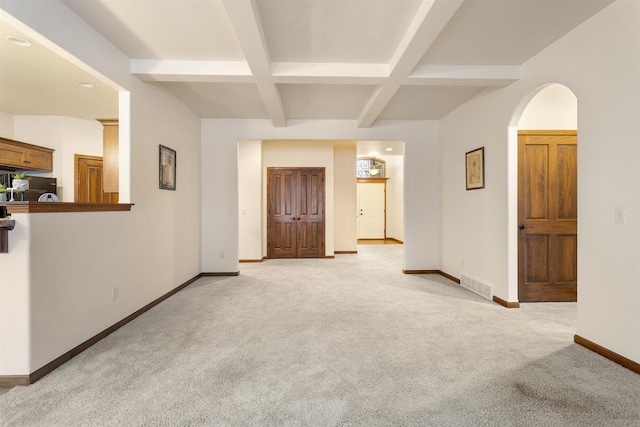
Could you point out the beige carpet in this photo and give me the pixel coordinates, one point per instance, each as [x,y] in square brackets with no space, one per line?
[350,341]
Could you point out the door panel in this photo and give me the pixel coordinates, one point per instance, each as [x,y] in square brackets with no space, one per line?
[547,214]
[310,216]
[282,231]
[371,211]
[295,213]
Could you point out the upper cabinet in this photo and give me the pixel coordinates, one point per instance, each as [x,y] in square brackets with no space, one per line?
[20,155]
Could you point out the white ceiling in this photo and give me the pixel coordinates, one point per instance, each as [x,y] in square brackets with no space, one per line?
[360,60]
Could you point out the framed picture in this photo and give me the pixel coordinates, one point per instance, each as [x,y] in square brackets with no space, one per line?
[475,169]
[167,168]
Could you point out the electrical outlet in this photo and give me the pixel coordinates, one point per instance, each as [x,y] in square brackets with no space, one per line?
[620,214]
[114,293]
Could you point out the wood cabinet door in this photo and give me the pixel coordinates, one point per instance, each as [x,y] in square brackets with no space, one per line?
[10,155]
[295,223]
[310,213]
[547,216]
[39,160]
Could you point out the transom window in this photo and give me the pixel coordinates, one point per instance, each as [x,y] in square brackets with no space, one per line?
[370,168]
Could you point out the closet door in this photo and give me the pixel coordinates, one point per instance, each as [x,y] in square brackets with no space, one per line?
[310,213]
[295,213]
[282,194]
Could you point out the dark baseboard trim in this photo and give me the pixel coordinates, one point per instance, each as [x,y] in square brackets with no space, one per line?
[395,240]
[344,252]
[614,357]
[420,271]
[448,276]
[251,260]
[10,381]
[329,257]
[232,273]
[508,304]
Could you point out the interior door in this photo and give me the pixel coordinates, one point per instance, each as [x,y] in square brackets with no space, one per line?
[547,216]
[282,231]
[371,210]
[88,179]
[295,213]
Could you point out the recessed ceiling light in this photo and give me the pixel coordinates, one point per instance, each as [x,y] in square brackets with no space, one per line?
[86,84]
[388,149]
[19,41]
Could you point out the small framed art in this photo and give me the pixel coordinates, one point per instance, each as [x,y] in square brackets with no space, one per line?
[167,168]
[475,169]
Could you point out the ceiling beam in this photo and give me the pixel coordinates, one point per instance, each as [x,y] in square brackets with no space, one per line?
[430,19]
[245,20]
[463,75]
[191,71]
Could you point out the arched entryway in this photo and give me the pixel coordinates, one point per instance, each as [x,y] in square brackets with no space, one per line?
[543,196]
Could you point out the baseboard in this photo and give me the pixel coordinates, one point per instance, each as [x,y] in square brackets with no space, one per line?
[344,252]
[420,271]
[448,276]
[329,257]
[232,273]
[251,260]
[508,304]
[395,240]
[614,357]
[11,380]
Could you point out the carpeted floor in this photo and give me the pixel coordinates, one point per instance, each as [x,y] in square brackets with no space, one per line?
[350,341]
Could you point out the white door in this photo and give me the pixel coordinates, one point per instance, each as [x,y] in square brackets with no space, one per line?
[371,215]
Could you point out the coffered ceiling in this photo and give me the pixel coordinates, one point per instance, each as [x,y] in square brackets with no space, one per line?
[360,60]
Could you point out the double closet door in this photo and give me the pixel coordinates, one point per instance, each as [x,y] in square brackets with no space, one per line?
[295,222]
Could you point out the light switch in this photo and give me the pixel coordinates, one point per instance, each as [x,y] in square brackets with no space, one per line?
[620,215]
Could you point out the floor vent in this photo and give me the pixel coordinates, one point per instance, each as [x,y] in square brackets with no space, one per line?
[478,286]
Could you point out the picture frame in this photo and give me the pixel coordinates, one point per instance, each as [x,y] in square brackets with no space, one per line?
[167,168]
[474,166]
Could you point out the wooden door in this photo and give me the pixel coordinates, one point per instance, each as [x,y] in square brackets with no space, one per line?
[547,216]
[310,213]
[281,232]
[371,210]
[88,179]
[295,224]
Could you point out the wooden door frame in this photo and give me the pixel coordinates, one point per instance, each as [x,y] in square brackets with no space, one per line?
[324,202]
[376,181]
[519,207]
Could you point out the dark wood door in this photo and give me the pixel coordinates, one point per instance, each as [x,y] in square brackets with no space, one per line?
[547,216]
[295,225]
[281,231]
[309,217]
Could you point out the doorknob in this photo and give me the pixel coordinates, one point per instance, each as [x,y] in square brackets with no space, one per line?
[293,218]
[298,218]
[522,226]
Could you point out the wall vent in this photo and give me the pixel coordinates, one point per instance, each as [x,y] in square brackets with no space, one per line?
[478,286]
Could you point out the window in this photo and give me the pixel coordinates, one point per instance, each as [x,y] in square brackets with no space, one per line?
[370,168]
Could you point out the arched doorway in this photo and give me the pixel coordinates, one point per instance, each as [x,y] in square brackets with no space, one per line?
[543,196]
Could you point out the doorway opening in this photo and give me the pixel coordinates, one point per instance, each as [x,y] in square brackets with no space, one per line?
[543,197]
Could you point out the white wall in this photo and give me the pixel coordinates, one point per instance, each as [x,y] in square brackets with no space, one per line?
[250,200]
[6,125]
[73,260]
[345,196]
[67,136]
[554,107]
[600,62]
[220,163]
[395,199]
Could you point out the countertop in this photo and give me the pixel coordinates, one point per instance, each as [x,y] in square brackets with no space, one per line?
[7,223]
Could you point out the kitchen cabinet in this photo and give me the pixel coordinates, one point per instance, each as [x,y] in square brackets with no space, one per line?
[110,153]
[20,155]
